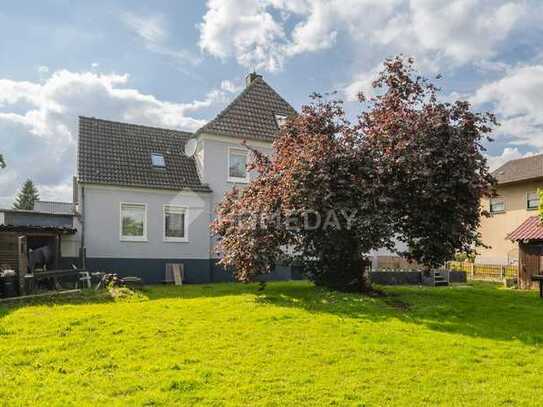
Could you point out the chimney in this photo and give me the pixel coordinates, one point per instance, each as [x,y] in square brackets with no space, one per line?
[251,78]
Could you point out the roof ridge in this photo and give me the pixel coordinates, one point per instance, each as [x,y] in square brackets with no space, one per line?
[143,126]
[520,159]
[232,103]
[258,94]
[61,202]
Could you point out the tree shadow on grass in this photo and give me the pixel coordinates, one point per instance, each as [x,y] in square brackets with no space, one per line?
[481,310]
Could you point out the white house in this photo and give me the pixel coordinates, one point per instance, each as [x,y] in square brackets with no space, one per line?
[146,196]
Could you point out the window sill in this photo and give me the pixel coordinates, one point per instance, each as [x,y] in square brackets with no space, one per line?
[176,240]
[532,209]
[128,239]
[238,180]
[496,212]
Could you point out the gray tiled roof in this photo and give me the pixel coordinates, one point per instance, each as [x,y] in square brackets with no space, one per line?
[113,153]
[520,170]
[251,115]
[57,208]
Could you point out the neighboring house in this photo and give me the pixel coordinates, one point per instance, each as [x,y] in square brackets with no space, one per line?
[146,196]
[517,200]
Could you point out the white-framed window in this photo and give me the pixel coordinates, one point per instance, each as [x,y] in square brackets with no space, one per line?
[237,165]
[175,223]
[281,120]
[532,200]
[497,204]
[133,222]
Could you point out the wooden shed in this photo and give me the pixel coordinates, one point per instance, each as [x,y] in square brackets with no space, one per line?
[529,236]
[15,241]
[24,230]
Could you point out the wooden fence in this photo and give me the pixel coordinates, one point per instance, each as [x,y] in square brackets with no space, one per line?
[395,263]
[484,272]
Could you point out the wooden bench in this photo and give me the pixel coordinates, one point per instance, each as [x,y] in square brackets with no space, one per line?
[53,276]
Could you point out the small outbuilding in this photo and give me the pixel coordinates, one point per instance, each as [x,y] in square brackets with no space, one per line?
[23,231]
[529,236]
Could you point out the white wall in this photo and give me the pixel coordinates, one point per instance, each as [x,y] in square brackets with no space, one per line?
[213,156]
[102,223]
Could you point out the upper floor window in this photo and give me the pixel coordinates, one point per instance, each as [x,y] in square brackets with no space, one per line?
[175,223]
[158,160]
[497,205]
[237,165]
[133,222]
[280,119]
[532,200]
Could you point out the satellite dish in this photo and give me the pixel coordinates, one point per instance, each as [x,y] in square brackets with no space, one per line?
[190,147]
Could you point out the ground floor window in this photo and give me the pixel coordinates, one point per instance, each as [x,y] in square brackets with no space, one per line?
[175,223]
[133,222]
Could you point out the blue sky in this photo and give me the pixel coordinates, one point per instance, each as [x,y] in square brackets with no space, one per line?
[177,63]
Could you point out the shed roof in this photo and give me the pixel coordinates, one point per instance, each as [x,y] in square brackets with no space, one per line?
[38,229]
[530,229]
[54,207]
[36,212]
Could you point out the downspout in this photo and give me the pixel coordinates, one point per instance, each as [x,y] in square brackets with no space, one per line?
[82,223]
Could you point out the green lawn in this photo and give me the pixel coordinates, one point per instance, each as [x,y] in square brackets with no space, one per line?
[224,344]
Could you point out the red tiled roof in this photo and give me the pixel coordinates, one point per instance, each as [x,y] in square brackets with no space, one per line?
[530,229]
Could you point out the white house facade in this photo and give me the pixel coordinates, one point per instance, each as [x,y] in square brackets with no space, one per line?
[145,196]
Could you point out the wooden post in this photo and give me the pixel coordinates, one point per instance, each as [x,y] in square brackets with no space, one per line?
[22,263]
[57,252]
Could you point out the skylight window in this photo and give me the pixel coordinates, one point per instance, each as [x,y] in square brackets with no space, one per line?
[158,160]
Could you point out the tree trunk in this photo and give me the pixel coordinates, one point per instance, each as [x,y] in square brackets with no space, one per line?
[342,267]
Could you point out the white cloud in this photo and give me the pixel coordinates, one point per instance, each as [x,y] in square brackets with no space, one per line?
[508,154]
[442,34]
[230,86]
[152,30]
[517,98]
[323,20]
[43,70]
[244,29]
[263,34]
[38,123]
[149,28]
[61,192]
[362,83]
[253,33]
[461,30]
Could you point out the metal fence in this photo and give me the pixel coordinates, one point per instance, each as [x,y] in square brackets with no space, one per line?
[484,272]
